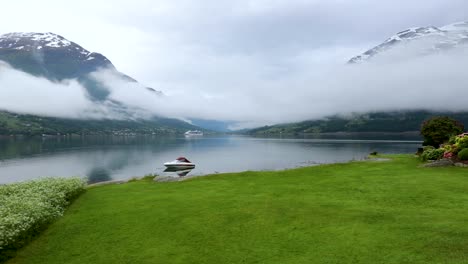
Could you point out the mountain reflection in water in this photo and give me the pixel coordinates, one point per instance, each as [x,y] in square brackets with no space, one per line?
[117,158]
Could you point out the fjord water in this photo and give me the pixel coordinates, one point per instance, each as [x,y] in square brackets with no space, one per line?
[111,158]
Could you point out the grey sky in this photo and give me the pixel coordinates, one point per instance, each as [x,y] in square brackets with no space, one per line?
[164,40]
[254,51]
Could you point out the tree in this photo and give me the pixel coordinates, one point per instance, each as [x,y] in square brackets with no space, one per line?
[438,130]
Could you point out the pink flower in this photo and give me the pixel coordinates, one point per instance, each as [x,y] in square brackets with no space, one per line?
[448,155]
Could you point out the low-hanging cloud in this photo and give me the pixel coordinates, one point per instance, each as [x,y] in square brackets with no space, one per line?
[434,82]
[253,62]
[248,98]
[24,93]
[437,82]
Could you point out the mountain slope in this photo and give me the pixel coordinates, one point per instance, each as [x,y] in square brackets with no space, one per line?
[408,121]
[419,41]
[31,125]
[405,45]
[52,56]
[49,55]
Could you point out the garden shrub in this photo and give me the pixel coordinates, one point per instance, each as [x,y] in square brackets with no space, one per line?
[438,130]
[432,154]
[451,150]
[27,207]
[426,148]
[448,155]
[461,141]
[452,139]
[463,154]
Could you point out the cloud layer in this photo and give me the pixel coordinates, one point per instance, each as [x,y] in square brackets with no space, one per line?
[435,82]
[254,62]
[165,42]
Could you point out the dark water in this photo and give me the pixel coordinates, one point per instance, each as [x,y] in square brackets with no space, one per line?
[110,158]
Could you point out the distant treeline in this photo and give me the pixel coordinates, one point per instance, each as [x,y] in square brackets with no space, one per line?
[30,125]
[370,122]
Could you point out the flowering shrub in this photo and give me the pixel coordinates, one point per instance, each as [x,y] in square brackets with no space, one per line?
[448,155]
[450,148]
[454,145]
[27,207]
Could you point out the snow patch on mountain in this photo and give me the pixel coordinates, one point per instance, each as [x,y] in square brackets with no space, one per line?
[29,41]
[459,26]
[420,41]
[54,57]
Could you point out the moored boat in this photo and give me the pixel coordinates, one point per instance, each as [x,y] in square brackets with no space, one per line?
[179,171]
[180,163]
[192,133]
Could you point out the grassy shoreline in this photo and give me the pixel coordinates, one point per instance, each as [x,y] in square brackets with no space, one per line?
[357,212]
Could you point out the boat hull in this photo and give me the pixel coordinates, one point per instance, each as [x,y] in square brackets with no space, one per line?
[179,166]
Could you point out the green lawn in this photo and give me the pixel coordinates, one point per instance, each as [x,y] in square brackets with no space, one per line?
[359,212]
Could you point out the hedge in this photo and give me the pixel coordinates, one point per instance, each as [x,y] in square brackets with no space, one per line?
[27,207]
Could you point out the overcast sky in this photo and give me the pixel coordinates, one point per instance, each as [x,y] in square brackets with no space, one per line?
[163,43]
[215,47]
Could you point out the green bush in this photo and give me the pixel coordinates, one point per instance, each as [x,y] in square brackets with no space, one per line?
[438,130]
[427,148]
[463,154]
[432,154]
[461,142]
[451,148]
[27,207]
[452,140]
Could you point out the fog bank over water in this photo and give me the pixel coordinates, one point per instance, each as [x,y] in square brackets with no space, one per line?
[433,82]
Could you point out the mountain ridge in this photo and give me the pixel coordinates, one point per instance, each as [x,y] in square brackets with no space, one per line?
[420,41]
[14,124]
[430,39]
[375,122]
[56,58]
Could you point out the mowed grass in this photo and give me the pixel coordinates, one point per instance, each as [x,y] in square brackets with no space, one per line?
[359,212]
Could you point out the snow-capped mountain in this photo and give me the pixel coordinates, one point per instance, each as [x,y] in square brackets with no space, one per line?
[420,41]
[54,57]
[39,41]
[51,56]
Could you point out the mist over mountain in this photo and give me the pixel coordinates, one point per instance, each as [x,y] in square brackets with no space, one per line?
[47,75]
[418,74]
[396,122]
[56,86]
[55,58]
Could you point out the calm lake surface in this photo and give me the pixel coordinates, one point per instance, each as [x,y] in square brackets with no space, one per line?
[110,158]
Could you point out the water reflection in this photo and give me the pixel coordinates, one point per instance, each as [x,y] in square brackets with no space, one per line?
[98,175]
[115,158]
[181,172]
